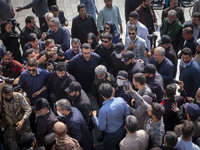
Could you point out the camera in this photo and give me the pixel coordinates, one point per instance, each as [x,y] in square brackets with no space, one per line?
[3,68]
[176,81]
[60,52]
[152,37]
[13,21]
[6,79]
[101,29]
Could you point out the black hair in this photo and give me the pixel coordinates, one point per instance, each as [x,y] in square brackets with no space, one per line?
[196,15]
[86,46]
[134,15]
[32,37]
[139,77]
[171,138]
[64,104]
[170,90]
[27,139]
[157,110]
[7,88]
[76,41]
[187,129]
[48,41]
[49,140]
[80,6]
[106,90]
[7,53]
[54,8]
[186,51]
[188,30]
[132,28]
[60,66]
[28,19]
[29,51]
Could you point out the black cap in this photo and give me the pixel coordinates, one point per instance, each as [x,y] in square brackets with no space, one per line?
[74,86]
[149,68]
[119,47]
[164,40]
[41,103]
[127,56]
[122,74]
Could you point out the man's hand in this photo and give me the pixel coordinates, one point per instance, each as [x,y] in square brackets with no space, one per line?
[133,102]
[156,24]
[20,124]
[174,107]
[8,27]
[141,61]
[190,99]
[130,88]
[19,9]
[36,94]
[131,46]
[94,113]
[181,85]
[16,81]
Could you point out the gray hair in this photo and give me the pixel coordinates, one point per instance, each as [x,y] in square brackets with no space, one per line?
[172,13]
[131,123]
[100,69]
[64,104]
[55,21]
[48,14]
[161,50]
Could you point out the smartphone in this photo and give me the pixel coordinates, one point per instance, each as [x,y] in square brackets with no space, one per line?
[126,85]
[177,82]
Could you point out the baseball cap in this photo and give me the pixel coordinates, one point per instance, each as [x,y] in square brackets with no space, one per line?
[118,48]
[192,109]
[164,40]
[41,103]
[74,86]
[127,56]
[122,74]
[149,68]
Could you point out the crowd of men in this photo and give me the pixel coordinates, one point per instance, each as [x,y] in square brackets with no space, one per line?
[54,93]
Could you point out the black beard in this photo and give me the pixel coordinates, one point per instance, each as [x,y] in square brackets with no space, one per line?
[8,100]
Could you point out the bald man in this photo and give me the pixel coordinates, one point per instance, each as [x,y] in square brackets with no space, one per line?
[63,141]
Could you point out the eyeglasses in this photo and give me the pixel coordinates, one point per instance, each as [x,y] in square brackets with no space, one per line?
[131,33]
[33,70]
[106,28]
[104,41]
[51,26]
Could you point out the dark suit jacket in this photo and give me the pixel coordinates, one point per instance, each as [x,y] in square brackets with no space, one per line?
[61,17]
[142,17]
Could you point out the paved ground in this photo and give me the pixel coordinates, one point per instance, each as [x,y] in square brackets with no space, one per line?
[70,10]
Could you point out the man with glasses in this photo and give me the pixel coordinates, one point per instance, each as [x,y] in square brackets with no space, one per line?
[82,67]
[105,49]
[136,44]
[33,80]
[59,33]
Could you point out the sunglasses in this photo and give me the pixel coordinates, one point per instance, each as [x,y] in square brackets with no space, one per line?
[33,70]
[104,41]
[131,33]
[106,28]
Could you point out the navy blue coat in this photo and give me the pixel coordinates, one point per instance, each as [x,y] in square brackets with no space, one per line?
[166,70]
[83,70]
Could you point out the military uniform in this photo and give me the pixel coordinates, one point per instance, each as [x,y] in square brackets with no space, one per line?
[11,113]
[109,78]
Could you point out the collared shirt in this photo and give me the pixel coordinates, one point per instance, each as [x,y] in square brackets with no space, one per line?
[188,64]
[142,32]
[140,47]
[69,54]
[107,14]
[186,145]
[81,27]
[61,37]
[111,115]
[34,83]
[156,131]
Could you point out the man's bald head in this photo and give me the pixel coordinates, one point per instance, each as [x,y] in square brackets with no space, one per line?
[60,128]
